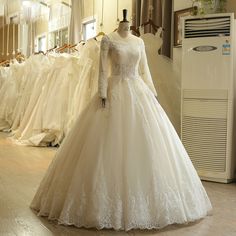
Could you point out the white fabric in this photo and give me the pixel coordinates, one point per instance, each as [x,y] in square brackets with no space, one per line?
[88,85]
[10,91]
[166,77]
[36,91]
[47,120]
[27,81]
[42,97]
[77,14]
[125,66]
[62,89]
[3,75]
[122,166]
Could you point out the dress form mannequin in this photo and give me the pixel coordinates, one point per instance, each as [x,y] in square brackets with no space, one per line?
[140,175]
[124,31]
[124,26]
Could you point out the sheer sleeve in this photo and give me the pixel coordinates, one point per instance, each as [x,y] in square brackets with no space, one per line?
[103,67]
[144,70]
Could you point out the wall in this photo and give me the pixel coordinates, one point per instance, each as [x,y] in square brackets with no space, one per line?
[13,6]
[109,17]
[109,12]
[231,6]
[177,52]
[181,4]
[41,27]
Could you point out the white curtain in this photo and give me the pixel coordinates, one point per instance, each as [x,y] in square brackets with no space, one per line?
[77,10]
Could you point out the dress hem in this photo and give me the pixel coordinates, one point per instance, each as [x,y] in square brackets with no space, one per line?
[106,226]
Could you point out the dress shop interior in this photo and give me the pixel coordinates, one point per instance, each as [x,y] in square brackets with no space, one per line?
[118,117]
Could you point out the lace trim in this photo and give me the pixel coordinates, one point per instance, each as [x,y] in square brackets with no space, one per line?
[100,210]
[132,226]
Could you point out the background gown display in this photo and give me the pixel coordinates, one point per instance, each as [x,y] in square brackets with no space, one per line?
[122,166]
[65,83]
[165,75]
[9,93]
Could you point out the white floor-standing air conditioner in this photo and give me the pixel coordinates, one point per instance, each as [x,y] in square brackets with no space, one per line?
[207,101]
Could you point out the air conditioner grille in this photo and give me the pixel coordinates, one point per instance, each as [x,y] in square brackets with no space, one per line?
[207,27]
[205,141]
[204,131]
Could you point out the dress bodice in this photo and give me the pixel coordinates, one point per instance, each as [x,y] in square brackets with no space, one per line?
[124,58]
[153,42]
[90,50]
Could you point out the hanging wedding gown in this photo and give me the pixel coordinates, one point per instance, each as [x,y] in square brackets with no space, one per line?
[122,166]
[88,85]
[28,82]
[66,83]
[165,76]
[43,72]
[47,120]
[3,75]
[9,95]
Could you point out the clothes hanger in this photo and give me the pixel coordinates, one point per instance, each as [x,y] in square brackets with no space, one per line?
[20,58]
[68,46]
[51,49]
[62,48]
[39,52]
[154,26]
[81,42]
[20,55]
[135,30]
[101,33]
[2,62]
[58,47]
[72,47]
[5,62]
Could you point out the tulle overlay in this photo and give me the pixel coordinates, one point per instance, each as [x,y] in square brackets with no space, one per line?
[122,167]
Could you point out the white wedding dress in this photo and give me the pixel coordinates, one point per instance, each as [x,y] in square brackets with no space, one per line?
[122,166]
[9,95]
[47,115]
[166,77]
[65,83]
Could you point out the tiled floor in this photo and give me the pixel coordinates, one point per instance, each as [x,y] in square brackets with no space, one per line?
[21,169]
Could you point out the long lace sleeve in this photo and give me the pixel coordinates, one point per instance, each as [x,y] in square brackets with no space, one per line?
[144,70]
[103,68]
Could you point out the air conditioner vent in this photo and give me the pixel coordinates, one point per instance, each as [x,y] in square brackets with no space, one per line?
[205,141]
[207,27]
[204,133]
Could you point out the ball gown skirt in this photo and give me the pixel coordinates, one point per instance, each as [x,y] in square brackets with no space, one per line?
[122,166]
[125,167]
